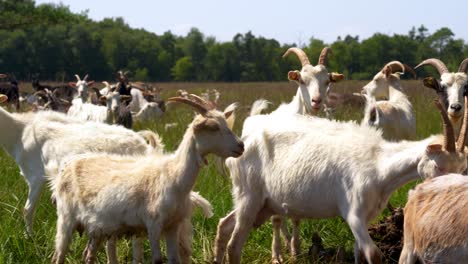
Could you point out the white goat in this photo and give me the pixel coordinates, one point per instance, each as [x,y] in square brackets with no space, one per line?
[313,81]
[436,221]
[451,88]
[40,141]
[394,116]
[82,86]
[142,110]
[106,202]
[308,167]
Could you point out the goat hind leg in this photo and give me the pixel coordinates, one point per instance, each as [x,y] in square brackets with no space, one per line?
[35,190]
[276,255]
[295,240]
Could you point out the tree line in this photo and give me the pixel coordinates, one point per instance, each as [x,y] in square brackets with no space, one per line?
[51,40]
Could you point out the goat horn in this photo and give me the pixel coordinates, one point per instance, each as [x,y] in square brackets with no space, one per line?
[438,64]
[77,77]
[449,138]
[394,65]
[208,104]
[106,83]
[200,108]
[463,66]
[300,54]
[324,55]
[85,77]
[462,136]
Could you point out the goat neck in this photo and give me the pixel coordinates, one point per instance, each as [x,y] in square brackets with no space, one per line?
[398,163]
[188,160]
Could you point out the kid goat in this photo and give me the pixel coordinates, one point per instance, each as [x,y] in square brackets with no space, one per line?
[308,167]
[102,197]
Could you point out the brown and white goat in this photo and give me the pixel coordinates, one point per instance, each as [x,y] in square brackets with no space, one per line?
[106,202]
[436,221]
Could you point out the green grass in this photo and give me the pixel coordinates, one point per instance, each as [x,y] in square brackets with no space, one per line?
[15,247]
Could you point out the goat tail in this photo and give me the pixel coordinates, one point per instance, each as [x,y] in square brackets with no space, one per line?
[153,139]
[200,201]
[258,106]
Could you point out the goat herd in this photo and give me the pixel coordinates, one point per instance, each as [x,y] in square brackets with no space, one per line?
[108,182]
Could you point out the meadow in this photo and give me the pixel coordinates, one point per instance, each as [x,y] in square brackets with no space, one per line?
[16,247]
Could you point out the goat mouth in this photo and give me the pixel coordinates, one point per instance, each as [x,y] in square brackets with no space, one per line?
[238,153]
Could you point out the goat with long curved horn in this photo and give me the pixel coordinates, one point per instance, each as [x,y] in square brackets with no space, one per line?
[436,63]
[323,58]
[449,136]
[200,108]
[463,66]
[300,54]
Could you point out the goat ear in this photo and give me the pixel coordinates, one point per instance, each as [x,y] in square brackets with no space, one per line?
[90,83]
[387,71]
[434,148]
[432,83]
[335,77]
[294,76]
[3,98]
[72,84]
[228,114]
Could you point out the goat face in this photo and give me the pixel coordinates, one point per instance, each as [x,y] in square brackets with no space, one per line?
[214,136]
[313,83]
[378,87]
[439,161]
[453,85]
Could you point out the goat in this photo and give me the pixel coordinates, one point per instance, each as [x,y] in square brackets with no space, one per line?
[142,110]
[451,87]
[396,116]
[47,100]
[40,141]
[115,111]
[11,90]
[123,86]
[308,167]
[436,221]
[154,199]
[314,82]
[82,87]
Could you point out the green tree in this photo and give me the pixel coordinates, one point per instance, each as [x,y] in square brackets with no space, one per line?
[183,70]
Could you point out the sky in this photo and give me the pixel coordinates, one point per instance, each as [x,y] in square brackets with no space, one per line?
[286,21]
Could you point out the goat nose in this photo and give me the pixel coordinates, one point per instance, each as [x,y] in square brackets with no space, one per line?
[241,145]
[317,100]
[456,107]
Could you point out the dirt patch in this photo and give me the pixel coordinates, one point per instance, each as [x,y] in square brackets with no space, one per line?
[388,235]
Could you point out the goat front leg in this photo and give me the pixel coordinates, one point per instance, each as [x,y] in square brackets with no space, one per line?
[364,242]
[63,237]
[92,249]
[185,240]
[35,190]
[223,234]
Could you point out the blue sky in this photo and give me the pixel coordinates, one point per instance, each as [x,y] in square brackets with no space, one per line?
[286,21]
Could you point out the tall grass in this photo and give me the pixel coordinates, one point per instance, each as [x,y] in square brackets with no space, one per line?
[15,247]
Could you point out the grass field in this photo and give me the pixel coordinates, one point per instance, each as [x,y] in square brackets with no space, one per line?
[15,247]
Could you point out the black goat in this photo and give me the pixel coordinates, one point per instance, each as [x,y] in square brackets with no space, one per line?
[11,90]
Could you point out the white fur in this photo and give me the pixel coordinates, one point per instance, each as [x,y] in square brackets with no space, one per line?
[40,142]
[155,199]
[394,116]
[308,167]
[141,109]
